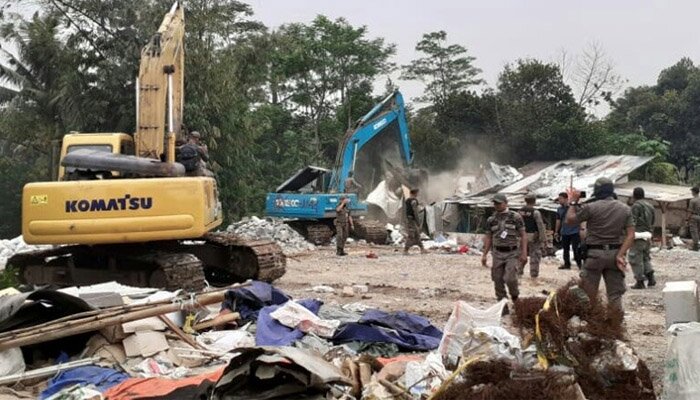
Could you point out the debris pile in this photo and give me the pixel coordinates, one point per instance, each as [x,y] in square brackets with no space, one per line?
[576,351]
[255,228]
[249,340]
[252,340]
[10,247]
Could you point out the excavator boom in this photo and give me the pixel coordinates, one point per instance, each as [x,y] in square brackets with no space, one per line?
[160,89]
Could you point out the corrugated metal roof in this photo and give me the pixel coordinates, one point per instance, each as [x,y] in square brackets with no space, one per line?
[549,182]
[656,191]
[554,179]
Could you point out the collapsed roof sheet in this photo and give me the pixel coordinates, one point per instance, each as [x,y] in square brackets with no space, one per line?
[582,174]
[656,191]
[554,179]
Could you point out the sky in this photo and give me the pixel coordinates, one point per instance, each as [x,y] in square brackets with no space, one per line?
[641,37]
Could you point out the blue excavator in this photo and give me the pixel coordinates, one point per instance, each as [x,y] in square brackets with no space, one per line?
[376,150]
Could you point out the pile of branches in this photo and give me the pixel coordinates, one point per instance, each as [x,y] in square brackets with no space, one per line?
[581,349]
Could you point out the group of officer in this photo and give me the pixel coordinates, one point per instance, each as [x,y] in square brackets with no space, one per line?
[615,233]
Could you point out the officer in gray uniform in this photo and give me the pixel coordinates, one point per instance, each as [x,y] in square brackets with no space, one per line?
[505,235]
[343,224]
[536,236]
[412,225]
[694,217]
[639,255]
[610,235]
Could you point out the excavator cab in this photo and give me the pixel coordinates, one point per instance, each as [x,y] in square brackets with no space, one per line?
[112,143]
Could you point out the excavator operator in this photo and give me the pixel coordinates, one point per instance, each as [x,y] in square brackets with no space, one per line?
[194,156]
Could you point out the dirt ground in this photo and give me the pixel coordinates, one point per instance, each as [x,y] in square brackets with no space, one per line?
[429,284]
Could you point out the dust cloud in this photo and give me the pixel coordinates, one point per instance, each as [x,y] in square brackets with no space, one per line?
[443,184]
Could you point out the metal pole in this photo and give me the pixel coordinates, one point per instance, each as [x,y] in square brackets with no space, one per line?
[138,94]
[170,102]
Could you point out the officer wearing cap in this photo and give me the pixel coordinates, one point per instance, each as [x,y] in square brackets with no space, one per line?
[505,237]
[610,234]
[536,236]
[343,224]
[412,225]
[639,255]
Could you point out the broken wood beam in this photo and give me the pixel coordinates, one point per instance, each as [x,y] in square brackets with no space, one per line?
[90,324]
[217,321]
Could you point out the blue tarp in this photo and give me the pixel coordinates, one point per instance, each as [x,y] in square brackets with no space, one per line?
[248,300]
[270,332]
[101,378]
[408,331]
[256,301]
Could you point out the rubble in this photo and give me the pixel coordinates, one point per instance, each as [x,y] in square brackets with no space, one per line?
[255,228]
[10,247]
[272,346]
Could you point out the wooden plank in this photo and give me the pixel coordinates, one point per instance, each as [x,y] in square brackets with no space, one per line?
[664,208]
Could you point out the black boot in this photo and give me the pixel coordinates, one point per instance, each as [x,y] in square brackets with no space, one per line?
[638,285]
[651,282]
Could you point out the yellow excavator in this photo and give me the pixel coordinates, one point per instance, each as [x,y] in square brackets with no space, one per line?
[122,208]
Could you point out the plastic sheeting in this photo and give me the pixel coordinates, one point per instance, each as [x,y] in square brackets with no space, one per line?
[249,300]
[99,377]
[464,318]
[269,332]
[195,387]
[408,331]
[294,315]
[681,373]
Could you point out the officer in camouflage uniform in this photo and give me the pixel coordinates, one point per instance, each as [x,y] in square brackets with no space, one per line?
[343,224]
[610,234]
[639,255]
[694,217]
[505,235]
[412,226]
[536,235]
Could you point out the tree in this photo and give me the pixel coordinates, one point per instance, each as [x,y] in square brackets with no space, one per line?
[538,115]
[665,112]
[592,76]
[445,69]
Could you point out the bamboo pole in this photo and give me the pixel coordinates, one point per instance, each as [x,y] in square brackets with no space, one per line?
[46,371]
[84,325]
[217,321]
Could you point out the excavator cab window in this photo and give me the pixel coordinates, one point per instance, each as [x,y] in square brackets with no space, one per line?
[72,173]
[127,148]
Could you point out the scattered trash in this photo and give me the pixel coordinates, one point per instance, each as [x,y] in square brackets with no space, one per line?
[322,289]
[347,291]
[372,254]
[276,372]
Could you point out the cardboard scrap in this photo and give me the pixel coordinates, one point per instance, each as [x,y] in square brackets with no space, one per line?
[145,343]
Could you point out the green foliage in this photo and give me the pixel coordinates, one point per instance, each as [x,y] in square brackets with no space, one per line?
[9,278]
[445,69]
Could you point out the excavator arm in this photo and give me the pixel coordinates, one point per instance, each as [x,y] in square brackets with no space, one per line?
[160,89]
[386,118]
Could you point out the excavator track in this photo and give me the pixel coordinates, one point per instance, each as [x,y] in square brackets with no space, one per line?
[371,231]
[220,259]
[178,271]
[250,259]
[319,234]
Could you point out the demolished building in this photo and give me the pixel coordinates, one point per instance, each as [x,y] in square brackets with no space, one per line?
[466,213]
